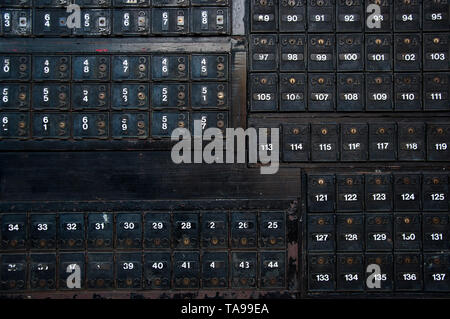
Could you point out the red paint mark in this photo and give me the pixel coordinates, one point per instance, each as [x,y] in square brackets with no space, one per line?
[14,50]
[101,50]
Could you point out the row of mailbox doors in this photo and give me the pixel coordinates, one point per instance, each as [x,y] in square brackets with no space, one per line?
[115,22]
[148,270]
[377,192]
[237,230]
[378,272]
[369,141]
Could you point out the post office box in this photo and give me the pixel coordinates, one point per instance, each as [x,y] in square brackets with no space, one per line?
[100,227]
[292,52]
[90,68]
[134,3]
[51,23]
[264,52]
[209,67]
[170,67]
[321,52]
[51,125]
[100,271]
[436,91]
[14,231]
[128,230]
[379,92]
[408,52]
[408,92]
[51,68]
[350,272]
[436,230]
[436,272]
[349,16]
[71,231]
[321,233]
[94,3]
[407,232]
[208,2]
[350,232]
[214,230]
[43,231]
[18,3]
[296,143]
[132,68]
[130,96]
[438,140]
[321,15]
[411,141]
[90,96]
[435,192]
[324,142]
[13,273]
[186,270]
[128,22]
[214,269]
[350,92]
[272,230]
[435,15]
[321,272]
[382,142]
[185,230]
[321,193]
[407,192]
[408,272]
[292,16]
[95,22]
[379,232]
[157,230]
[379,270]
[292,92]
[71,271]
[350,193]
[264,92]
[243,230]
[379,52]
[14,96]
[157,270]
[272,270]
[436,52]
[90,125]
[350,52]
[129,270]
[15,67]
[244,270]
[42,270]
[378,189]
[321,92]
[204,95]
[129,125]
[354,140]
[163,123]
[209,120]
[170,21]
[15,22]
[50,96]
[210,20]
[264,16]
[408,15]
[170,3]
[171,95]
[14,125]
[379,15]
